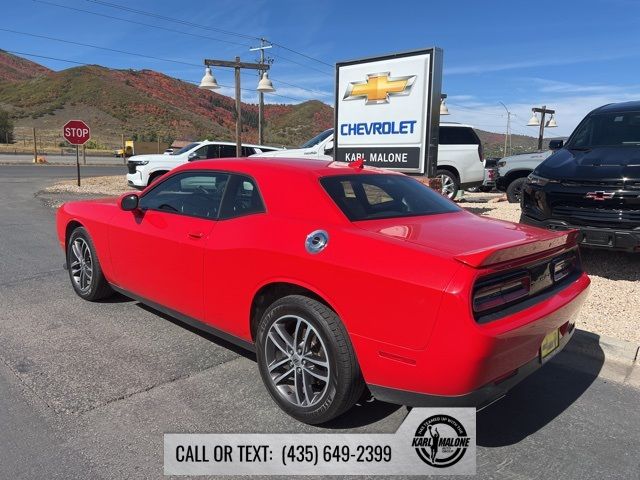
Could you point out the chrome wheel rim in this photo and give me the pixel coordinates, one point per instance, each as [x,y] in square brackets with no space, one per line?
[81,265]
[448,185]
[297,361]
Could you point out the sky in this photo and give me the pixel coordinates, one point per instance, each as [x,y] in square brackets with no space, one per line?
[571,56]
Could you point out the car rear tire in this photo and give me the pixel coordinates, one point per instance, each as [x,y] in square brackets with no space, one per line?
[84,268]
[450,183]
[514,190]
[306,360]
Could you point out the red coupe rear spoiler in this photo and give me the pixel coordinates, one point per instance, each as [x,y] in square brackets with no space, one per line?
[501,254]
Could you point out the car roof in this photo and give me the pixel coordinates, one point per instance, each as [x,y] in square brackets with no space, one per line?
[633,106]
[218,142]
[278,165]
[455,124]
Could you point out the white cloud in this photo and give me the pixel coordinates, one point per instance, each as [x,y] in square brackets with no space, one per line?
[547,62]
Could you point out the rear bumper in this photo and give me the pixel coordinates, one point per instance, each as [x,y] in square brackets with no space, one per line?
[593,237]
[479,398]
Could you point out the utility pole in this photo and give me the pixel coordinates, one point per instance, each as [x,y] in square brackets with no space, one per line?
[35,147]
[506,135]
[264,44]
[534,121]
[237,65]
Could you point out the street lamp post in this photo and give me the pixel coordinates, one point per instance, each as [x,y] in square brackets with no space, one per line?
[506,135]
[209,83]
[263,45]
[534,122]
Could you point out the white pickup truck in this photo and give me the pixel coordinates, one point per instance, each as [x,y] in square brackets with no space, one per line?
[460,160]
[145,169]
[513,171]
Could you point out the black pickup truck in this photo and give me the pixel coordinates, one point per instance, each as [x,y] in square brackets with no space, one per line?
[592,183]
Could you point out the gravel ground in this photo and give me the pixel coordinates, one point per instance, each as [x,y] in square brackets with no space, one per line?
[613,306]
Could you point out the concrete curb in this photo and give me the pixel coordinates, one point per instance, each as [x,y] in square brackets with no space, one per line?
[594,346]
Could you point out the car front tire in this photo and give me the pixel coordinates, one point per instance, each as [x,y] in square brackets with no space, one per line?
[306,360]
[514,190]
[84,268]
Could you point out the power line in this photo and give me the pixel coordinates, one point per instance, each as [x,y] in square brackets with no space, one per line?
[183,33]
[100,48]
[141,23]
[303,54]
[286,59]
[205,27]
[43,56]
[171,19]
[176,78]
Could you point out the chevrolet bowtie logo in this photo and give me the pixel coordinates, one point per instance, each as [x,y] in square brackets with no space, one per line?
[379,87]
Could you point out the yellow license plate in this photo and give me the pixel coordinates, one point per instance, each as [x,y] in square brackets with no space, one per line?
[549,344]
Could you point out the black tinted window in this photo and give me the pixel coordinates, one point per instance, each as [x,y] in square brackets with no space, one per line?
[458,136]
[246,151]
[227,151]
[242,198]
[195,194]
[608,129]
[200,154]
[370,196]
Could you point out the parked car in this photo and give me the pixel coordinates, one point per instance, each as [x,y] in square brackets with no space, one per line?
[592,182]
[455,310]
[145,169]
[513,172]
[460,160]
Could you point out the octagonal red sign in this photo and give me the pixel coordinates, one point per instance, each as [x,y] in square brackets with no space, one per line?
[76,132]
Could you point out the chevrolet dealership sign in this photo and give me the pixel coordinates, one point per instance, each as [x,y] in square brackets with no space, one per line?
[388,111]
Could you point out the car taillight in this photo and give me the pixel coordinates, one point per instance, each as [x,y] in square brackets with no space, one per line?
[501,291]
[481,152]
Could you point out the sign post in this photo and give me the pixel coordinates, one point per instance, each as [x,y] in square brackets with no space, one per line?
[388,111]
[77,133]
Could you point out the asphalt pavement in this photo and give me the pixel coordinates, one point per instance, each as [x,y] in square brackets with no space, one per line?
[88,389]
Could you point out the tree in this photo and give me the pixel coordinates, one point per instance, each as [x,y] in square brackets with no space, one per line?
[6,128]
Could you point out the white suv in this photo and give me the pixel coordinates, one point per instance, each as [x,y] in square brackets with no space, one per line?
[460,160]
[145,169]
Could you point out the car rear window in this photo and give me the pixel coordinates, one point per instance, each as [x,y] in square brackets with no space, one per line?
[371,196]
[458,136]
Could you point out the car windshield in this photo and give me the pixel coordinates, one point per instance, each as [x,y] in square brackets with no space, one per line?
[317,139]
[607,129]
[186,148]
[372,196]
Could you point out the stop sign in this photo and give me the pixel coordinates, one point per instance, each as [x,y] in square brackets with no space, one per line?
[76,132]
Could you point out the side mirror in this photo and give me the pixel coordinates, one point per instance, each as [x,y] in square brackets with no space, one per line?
[192,156]
[129,202]
[328,148]
[556,144]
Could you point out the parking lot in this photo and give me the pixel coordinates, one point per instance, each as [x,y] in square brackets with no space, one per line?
[88,389]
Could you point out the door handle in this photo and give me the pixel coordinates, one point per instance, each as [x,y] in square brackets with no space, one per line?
[195,235]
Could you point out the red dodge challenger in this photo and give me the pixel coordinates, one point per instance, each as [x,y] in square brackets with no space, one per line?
[338,277]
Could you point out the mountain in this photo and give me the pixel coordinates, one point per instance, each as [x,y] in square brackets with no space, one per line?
[146,105]
[13,68]
[493,143]
[141,104]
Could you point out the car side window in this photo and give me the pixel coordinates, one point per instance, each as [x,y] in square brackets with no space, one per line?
[213,151]
[227,151]
[242,198]
[199,154]
[196,194]
[248,151]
